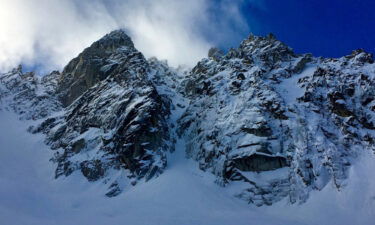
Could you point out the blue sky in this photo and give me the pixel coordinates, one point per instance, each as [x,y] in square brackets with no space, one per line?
[330,28]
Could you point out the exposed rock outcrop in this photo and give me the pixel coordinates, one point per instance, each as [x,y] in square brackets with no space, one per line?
[261,107]
[114,120]
[29,95]
[93,65]
[258,110]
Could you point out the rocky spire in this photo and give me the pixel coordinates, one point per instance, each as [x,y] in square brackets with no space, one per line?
[94,64]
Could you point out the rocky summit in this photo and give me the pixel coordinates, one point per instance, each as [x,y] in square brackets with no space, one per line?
[114,116]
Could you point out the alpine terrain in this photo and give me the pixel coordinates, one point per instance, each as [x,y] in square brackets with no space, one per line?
[257,135]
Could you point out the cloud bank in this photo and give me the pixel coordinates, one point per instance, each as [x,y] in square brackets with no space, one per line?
[46,34]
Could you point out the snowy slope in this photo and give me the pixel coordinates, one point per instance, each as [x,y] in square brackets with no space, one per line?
[184,195]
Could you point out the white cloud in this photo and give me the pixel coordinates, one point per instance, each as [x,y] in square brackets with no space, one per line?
[51,32]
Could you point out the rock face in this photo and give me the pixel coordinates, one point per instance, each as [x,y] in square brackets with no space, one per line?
[261,107]
[259,110]
[114,119]
[93,65]
[28,95]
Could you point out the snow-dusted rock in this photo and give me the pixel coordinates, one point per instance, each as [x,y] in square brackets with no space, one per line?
[28,94]
[114,125]
[268,122]
[94,64]
[262,107]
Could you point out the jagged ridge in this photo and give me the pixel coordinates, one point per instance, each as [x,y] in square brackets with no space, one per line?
[262,107]
[296,120]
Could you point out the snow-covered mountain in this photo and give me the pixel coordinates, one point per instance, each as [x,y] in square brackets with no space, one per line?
[264,124]
[262,107]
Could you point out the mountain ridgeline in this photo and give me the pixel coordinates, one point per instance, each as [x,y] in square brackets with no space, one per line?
[260,117]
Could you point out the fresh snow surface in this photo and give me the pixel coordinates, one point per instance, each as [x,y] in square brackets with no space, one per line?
[289,87]
[182,195]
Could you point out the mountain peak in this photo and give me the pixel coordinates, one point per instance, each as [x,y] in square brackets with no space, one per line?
[114,40]
[279,124]
[94,64]
[264,44]
[102,48]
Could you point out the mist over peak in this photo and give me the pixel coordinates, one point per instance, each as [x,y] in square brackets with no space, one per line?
[45,35]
